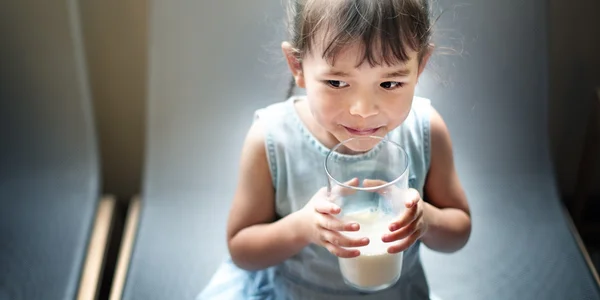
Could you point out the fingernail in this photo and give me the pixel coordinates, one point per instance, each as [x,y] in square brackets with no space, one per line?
[394,227]
[364,240]
[354,226]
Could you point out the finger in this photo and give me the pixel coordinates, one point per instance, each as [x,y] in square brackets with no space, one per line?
[331,223]
[340,240]
[412,212]
[413,198]
[389,192]
[341,252]
[402,233]
[409,216]
[341,191]
[327,207]
[373,182]
[403,244]
[352,182]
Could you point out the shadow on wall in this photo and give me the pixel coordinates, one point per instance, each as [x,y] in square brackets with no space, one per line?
[574,76]
[116,43]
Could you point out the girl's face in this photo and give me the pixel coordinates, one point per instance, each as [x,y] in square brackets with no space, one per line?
[349,101]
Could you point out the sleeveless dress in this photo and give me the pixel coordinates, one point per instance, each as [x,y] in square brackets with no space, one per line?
[296,159]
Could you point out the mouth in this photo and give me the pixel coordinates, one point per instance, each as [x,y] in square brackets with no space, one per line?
[362,131]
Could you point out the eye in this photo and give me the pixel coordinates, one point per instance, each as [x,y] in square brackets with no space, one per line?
[390,85]
[336,83]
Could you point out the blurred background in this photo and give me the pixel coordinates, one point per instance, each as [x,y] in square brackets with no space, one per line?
[134,92]
[116,42]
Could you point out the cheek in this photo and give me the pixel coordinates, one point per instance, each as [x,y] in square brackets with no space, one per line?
[324,107]
[323,112]
[398,110]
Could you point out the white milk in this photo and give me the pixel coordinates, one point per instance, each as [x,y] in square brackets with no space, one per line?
[375,268]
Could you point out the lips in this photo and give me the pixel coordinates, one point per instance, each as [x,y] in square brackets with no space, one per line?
[361,131]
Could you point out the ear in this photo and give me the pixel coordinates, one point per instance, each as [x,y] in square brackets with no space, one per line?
[425,58]
[294,64]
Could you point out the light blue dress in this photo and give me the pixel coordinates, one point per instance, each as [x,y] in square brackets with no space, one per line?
[296,161]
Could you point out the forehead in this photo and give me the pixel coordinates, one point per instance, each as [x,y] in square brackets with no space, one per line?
[353,56]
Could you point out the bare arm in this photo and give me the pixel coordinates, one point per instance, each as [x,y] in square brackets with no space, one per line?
[255,241]
[449,221]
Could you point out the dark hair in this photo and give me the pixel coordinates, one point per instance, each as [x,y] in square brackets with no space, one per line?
[386,29]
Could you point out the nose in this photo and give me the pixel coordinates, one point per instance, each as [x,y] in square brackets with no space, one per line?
[364,107]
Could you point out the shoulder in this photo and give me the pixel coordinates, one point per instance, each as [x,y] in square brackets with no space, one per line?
[414,136]
[272,131]
[421,104]
[441,143]
[435,133]
[275,112]
[423,109]
[254,153]
[254,187]
[420,109]
[255,137]
[257,151]
[418,120]
[443,185]
[416,129]
[280,124]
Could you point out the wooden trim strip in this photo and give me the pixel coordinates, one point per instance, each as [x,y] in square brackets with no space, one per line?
[94,261]
[127,243]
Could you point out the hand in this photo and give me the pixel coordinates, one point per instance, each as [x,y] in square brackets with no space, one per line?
[322,227]
[413,223]
[411,226]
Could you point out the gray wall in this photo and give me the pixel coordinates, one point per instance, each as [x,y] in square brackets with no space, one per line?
[210,67]
[48,159]
[43,80]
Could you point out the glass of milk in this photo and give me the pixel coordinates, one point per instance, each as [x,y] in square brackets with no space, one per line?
[368,179]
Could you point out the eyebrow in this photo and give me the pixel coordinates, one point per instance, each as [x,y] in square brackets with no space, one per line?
[337,73]
[398,73]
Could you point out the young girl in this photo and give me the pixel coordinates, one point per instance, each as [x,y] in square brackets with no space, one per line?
[359,62]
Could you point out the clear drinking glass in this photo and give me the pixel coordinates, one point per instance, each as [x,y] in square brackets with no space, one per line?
[368,179]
